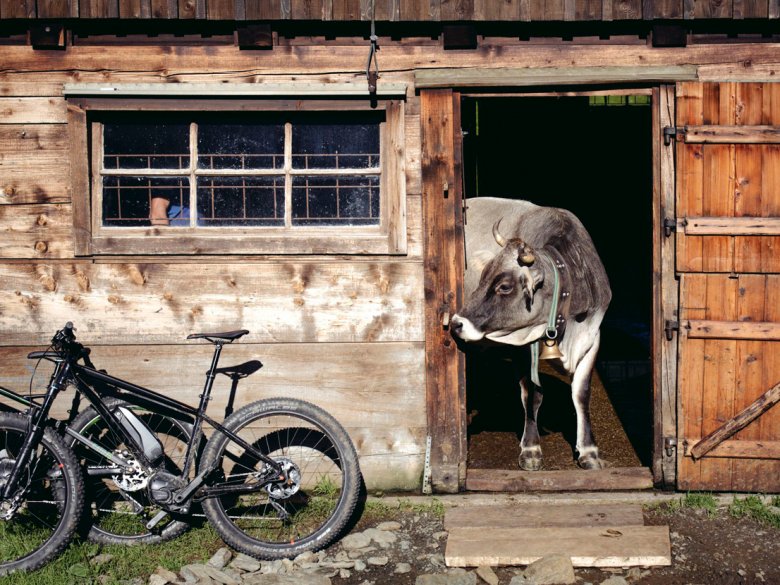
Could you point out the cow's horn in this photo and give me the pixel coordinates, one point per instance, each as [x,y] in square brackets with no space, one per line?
[500,240]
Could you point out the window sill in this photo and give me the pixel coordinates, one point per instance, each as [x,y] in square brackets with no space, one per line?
[169,241]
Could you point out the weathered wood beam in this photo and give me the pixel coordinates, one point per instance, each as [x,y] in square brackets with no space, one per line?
[722,134]
[729,226]
[310,88]
[740,421]
[738,449]
[529,76]
[710,329]
[616,478]
[616,546]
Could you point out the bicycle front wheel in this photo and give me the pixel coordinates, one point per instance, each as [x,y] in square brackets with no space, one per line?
[305,512]
[39,520]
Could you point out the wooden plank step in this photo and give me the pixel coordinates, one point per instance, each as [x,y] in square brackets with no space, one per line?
[506,480]
[587,546]
[543,515]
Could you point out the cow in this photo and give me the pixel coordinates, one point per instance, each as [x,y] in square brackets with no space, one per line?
[518,255]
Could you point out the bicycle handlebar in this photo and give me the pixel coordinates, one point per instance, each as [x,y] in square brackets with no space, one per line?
[64,341]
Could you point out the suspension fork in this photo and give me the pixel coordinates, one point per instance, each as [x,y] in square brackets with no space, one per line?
[37,417]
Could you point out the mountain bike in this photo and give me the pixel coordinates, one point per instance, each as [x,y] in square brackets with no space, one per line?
[276,478]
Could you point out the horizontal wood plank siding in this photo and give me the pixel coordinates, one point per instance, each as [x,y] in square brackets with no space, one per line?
[286,301]
[33,164]
[342,378]
[393,10]
[32,110]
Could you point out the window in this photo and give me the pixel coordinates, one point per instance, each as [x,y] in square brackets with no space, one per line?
[251,177]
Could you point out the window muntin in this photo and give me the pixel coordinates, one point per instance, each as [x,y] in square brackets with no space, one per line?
[269,170]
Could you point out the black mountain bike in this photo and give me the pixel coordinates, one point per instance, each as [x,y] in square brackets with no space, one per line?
[278,477]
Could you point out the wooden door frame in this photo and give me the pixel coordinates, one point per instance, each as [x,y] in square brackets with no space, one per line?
[445,384]
[666,293]
[442,169]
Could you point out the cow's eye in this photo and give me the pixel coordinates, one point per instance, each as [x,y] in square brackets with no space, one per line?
[504,288]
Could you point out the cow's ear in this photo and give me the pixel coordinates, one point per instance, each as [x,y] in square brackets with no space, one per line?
[480,259]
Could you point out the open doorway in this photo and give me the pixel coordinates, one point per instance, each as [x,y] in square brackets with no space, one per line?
[591,154]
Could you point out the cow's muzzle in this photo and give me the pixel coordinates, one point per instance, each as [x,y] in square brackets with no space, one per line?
[464,329]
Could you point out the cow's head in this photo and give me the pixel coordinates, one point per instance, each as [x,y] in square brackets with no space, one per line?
[507,305]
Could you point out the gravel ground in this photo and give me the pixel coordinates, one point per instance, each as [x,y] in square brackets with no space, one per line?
[405,545]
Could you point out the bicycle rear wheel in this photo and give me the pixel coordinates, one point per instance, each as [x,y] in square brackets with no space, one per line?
[117,511]
[37,525]
[284,519]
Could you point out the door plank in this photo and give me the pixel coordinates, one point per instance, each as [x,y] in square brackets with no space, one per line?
[506,480]
[744,329]
[616,546]
[538,515]
[732,134]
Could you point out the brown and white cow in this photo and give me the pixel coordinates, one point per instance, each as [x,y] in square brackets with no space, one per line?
[513,251]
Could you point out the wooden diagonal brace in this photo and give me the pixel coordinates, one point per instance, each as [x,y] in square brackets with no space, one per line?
[740,421]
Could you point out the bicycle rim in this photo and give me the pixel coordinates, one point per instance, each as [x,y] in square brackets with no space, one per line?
[304,513]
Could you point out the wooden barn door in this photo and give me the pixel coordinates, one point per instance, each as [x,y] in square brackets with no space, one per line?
[728,257]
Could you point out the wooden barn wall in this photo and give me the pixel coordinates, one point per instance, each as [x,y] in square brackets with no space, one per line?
[346,332]
[391,10]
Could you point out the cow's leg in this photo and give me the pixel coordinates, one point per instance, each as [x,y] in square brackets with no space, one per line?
[587,451]
[530,449]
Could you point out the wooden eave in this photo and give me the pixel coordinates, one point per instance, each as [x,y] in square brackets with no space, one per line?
[358,88]
[422,11]
[548,76]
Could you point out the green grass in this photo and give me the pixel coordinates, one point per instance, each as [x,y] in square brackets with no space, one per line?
[691,501]
[754,507]
[377,509]
[128,562]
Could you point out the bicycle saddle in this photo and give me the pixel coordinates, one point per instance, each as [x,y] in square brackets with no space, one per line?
[229,335]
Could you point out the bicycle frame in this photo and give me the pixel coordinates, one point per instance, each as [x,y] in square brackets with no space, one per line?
[88,382]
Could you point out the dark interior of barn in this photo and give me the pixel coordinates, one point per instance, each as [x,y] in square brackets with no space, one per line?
[591,155]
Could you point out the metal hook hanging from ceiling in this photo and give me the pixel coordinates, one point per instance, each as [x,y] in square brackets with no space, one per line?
[373,76]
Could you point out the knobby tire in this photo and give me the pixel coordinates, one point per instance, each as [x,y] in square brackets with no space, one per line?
[54,498]
[329,480]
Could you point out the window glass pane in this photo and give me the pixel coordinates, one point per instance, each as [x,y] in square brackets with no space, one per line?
[250,201]
[248,144]
[336,141]
[127,200]
[335,200]
[134,144]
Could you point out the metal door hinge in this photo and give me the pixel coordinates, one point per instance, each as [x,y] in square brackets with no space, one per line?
[670,445]
[670,226]
[670,327]
[674,133]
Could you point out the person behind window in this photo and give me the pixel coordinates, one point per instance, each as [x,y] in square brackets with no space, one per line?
[161,212]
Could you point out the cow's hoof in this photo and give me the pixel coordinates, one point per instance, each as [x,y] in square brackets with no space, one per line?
[591,461]
[531,459]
